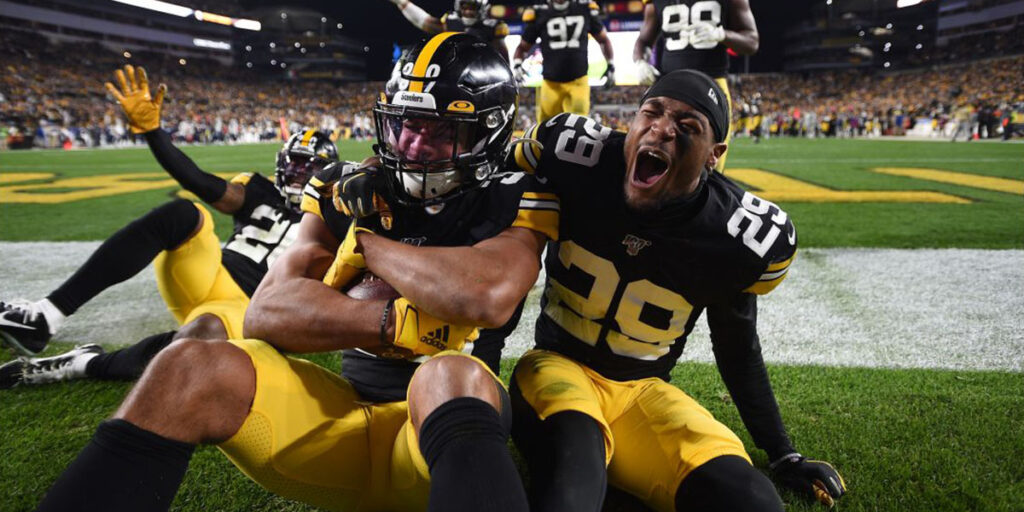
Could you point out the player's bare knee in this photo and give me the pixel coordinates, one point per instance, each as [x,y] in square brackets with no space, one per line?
[445,378]
[194,391]
[204,327]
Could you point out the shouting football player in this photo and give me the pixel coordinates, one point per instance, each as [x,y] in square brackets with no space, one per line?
[206,287]
[695,34]
[459,241]
[469,16]
[649,240]
[563,26]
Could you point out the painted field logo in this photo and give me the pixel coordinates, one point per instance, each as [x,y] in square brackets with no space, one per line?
[48,188]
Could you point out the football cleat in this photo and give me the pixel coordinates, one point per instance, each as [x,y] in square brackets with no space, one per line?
[23,327]
[44,370]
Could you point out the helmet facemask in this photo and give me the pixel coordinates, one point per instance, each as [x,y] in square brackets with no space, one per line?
[471,11]
[294,169]
[435,157]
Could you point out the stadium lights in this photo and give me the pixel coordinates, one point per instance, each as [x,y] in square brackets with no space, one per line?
[920,27]
[919,46]
[323,20]
[273,44]
[303,50]
[888,26]
[248,25]
[297,44]
[183,12]
[127,54]
[248,48]
[322,44]
[886,64]
[182,61]
[158,6]
[906,3]
[828,2]
[273,62]
[207,43]
[248,64]
[339,26]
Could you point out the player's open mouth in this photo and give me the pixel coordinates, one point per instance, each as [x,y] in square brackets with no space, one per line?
[650,165]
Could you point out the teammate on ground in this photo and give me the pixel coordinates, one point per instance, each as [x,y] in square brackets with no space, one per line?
[563,27]
[650,239]
[458,239]
[695,34]
[206,287]
[469,16]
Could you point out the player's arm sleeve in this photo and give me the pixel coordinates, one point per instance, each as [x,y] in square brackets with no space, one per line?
[530,29]
[541,137]
[737,352]
[780,257]
[539,209]
[595,19]
[204,185]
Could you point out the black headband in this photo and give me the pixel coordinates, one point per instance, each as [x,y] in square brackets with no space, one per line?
[700,92]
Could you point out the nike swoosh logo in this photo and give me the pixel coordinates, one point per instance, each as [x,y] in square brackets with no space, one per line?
[4,321]
[792,237]
[543,181]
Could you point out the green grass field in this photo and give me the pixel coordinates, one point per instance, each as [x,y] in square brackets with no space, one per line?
[904,440]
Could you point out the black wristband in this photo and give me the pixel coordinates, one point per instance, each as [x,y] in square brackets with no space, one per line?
[384,322]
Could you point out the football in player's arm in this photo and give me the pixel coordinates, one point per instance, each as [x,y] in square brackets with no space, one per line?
[650,239]
[206,287]
[469,16]
[459,240]
[562,27]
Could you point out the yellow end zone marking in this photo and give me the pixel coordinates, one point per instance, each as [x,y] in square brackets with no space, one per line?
[775,187]
[88,187]
[18,177]
[956,178]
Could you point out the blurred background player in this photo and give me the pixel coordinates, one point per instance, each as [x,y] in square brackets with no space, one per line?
[562,26]
[469,16]
[695,34]
[206,287]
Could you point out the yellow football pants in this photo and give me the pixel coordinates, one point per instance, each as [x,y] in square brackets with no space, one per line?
[193,282]
[553,98]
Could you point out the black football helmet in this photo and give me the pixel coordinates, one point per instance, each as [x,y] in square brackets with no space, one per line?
[472,11]
[304,154]
[445,119]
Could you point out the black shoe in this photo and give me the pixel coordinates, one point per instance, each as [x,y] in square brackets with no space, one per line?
[23,327]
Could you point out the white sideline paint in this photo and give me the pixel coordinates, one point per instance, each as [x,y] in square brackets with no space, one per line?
[922,308]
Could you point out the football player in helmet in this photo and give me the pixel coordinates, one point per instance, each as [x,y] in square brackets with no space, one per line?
[593,403]
[694,34]
[460,244]
[469,16]
[206,287]
[562,28]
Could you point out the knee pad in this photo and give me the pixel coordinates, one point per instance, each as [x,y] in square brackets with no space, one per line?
[171,223]
[727,483]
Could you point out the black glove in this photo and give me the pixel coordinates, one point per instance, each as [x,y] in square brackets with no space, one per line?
[609,76]
[815,478]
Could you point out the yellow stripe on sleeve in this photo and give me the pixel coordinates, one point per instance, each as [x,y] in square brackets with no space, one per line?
[541,221]
[242,178]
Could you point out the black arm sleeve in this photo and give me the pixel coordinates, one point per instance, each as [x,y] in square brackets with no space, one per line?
[206,186]
[738,355]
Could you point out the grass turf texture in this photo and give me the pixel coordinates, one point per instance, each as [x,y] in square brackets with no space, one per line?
[991,220]
[903,439]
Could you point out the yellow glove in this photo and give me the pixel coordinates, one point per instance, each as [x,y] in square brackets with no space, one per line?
[143,111]
[348,262]
[425,335]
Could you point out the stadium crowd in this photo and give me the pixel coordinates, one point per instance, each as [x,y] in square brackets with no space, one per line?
[56,98]
[53,97]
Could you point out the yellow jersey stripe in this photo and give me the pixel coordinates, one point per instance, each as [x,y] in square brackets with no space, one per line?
[242,178]
[419,69]
[546,196]
[541,221]
[775,267]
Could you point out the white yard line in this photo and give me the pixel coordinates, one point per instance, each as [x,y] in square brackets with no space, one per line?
[922,308]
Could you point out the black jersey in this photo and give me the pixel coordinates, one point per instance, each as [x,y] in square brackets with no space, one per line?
[624,289]
[563,37]
[675,51]
[474,217]
[264,227]
[486,30]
